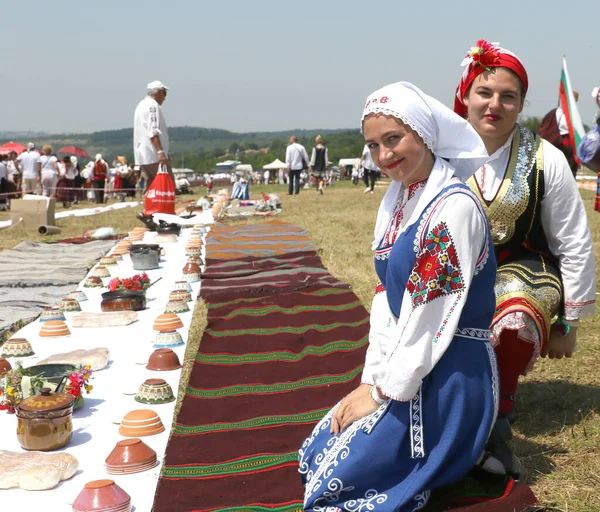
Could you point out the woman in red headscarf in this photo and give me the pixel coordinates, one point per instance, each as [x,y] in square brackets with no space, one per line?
[546,272]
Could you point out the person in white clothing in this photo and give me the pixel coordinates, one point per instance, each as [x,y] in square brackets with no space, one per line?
[50,170]
[296,160]
[150,134]
[546,269]
[266,177]
[370,170]
[31,166]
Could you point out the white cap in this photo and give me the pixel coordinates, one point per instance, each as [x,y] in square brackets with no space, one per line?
[157,84]
[98,157]
[31,145]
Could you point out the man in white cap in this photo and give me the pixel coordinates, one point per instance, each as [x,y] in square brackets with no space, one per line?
[150,135]
[31,165]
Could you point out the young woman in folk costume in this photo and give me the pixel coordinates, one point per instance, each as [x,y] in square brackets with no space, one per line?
[428,398]
[546,272]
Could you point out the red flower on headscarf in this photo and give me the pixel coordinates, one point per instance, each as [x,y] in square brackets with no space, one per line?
[485,54]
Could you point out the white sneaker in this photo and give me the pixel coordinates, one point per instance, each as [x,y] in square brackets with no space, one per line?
[368,189]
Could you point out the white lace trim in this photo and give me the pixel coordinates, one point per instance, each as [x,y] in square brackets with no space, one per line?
[495,382]
[403,118]
[519,321]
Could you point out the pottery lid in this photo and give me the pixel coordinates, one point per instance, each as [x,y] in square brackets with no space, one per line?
[47,401]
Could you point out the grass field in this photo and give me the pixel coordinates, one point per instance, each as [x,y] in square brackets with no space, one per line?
[558,426]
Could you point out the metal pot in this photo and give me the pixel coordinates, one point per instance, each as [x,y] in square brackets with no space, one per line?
[44,421]
[166,228]
[145,256]
[123,300]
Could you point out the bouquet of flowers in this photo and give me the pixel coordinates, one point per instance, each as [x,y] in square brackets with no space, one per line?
[138,282]
[78,380]
[10,387]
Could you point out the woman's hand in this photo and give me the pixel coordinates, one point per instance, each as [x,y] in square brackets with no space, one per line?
[560,346]
[355,406]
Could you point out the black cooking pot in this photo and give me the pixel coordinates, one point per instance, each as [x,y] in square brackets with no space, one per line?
[123,300]
[145,256]
[166,228]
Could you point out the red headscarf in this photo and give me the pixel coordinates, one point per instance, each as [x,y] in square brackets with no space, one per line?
[483,57]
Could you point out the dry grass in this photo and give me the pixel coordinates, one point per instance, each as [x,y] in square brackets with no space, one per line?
[558,426]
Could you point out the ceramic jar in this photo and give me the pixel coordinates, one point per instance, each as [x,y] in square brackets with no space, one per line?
[44,421]
[123,300]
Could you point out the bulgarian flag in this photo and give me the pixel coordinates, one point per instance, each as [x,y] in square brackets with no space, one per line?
[569,107]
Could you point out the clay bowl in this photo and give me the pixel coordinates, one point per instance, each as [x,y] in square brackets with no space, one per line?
[183,295]
[100,496]
[4,367]
[139,229]
[141,423]
[54,328]
[117,256]
[124,244]
[51,314]
[167,322]
[78,295]
[108,261]
[193,251]
[165,238]
[130,452]
[191,267]
[195,237]
[100,271]
[168,339]
[176,306]
[93,282]
[154,391]
[196,258]
[16,347]
[195,242]
[163,360]
[69,304]
[182,285]
[191,277]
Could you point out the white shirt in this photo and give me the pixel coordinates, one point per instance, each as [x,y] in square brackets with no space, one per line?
[294,155]
[48,163]
[564,221]
[70,172]
[12,168]
[28,162]
[3,171]
[561,120]
[148,121]
[367,160]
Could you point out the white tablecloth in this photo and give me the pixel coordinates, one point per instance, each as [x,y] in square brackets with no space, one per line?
[96,424]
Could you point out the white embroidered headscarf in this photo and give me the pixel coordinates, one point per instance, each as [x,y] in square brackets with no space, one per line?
[445,133]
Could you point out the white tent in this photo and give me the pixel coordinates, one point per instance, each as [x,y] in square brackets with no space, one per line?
[276,164]
[354,162]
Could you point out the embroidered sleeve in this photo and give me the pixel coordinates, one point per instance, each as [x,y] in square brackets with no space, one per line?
[568,233]
[382,321]
[452,246]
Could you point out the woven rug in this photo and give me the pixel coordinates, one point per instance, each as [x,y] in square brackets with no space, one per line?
[268,369]
[226,242]
[275,274]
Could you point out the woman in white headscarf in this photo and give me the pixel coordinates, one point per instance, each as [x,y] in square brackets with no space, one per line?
[427,400]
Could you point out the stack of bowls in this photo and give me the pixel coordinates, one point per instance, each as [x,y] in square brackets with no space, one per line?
[54,328]
[130,456]
[69,305]
[141,423]
[154,392]
[163,360]
[51,314]
[16,347]
[102,496]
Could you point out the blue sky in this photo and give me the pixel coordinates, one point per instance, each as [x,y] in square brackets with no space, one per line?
[271,65]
